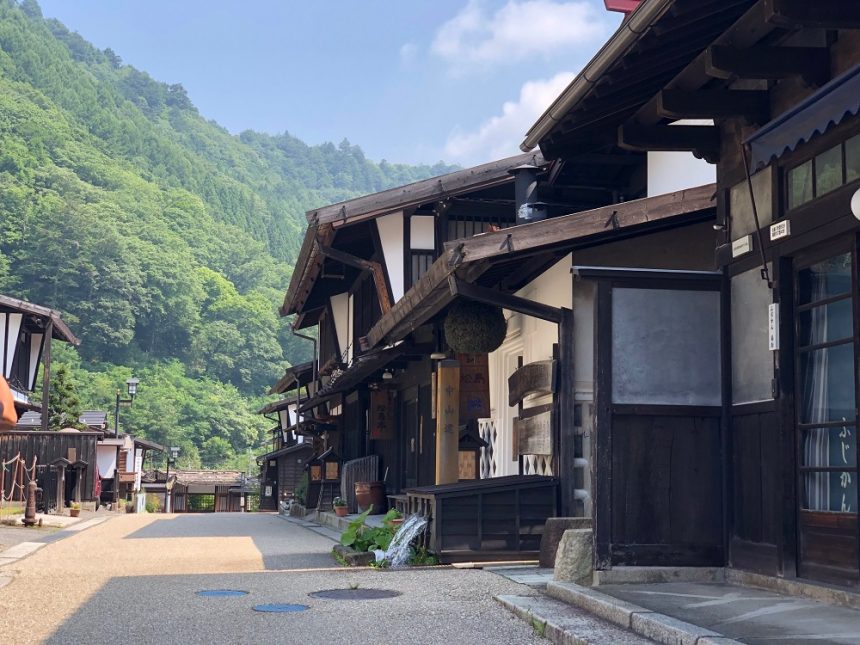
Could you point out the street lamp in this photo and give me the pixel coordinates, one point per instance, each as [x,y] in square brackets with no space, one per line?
[171,459]
[131,384]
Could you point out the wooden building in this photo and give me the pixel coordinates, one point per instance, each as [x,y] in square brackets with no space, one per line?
[767,90]
[27,331]
[293,443]
[199,491]
[380,380]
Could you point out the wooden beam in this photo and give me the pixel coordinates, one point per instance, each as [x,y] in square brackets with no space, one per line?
[428,190]
[504,300]
[769,63]
[823,14]
[754,105]
[702,140]
[573,230]
[46,374]
[375,269]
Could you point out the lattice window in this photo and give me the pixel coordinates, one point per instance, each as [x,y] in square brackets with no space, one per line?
[489,455]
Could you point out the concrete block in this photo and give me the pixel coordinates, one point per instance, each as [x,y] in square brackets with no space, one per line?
[668,630]
[649,575]
[355,558]
[575,557]
[552,532]
[612,609]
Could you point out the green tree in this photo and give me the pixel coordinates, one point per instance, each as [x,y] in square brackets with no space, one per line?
[64,404]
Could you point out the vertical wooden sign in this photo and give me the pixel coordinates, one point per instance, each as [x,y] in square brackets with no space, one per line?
[382,415]
[474,386]
[447,422]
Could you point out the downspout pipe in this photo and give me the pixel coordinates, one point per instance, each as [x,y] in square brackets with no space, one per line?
[630,31]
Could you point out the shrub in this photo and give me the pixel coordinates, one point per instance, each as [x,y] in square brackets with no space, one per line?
[153,504]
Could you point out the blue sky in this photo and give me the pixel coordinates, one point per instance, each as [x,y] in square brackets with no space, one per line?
[459,80]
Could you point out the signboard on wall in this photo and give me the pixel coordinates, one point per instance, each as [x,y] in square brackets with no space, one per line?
[382,415]
[474,387]
[535,378]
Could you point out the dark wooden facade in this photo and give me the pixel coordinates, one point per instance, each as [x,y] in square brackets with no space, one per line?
[48,447]
[501,517]
[767,73]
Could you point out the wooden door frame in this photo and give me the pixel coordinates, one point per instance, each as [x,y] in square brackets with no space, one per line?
[602,451]
[798,261]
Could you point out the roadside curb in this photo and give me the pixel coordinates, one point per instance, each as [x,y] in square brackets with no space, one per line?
[650,624]
[564,624]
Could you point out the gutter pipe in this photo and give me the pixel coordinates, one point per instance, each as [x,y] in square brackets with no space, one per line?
[633,27]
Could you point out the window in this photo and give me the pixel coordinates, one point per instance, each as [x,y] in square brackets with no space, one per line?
[666,347]
[824,173]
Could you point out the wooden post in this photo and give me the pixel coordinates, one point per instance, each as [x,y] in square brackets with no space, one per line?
[566,451]
[46,373]
[447,422]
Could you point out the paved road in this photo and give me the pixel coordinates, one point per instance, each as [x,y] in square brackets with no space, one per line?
[135,578]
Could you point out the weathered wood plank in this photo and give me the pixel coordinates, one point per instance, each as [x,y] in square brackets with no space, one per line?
[420,192]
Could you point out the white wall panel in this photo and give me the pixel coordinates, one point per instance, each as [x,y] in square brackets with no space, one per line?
[391,236]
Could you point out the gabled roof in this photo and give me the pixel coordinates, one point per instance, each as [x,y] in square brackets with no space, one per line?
[41,314]
[294,376]
[421,192]
[535,245]
[323,222]
[656,42]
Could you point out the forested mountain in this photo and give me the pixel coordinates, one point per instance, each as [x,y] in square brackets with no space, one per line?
[166,241]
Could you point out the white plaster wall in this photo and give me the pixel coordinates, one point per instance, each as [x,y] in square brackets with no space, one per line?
[533,340]
[672,171]
[340,313]
[391,236]
[106,460]
[422,232]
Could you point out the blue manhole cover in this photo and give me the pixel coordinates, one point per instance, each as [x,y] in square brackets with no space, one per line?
[221,593]
[280,608]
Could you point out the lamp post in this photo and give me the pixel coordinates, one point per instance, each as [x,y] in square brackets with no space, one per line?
[131,385]
[171,458]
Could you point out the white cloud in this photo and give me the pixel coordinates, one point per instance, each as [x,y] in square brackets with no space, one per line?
[519,30]
[500,135]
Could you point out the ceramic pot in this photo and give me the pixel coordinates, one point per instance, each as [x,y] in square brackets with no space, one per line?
[367,493]
[341,511]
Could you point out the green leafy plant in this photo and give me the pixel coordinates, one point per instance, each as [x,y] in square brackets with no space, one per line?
[367,538]
[338,501]
[423,558]
[75,506]
[301,492]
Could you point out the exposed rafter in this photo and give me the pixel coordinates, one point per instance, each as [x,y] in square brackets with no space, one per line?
[824,14]
[754,105]
[702,140]
[375,269]
[763,62]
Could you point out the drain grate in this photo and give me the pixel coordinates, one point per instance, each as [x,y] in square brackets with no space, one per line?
[279,608]
[355,594]
[221,593]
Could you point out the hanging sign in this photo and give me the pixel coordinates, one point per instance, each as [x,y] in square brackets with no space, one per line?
[382,415]
[474,386]
[535,378]
[773,326]
[534,434]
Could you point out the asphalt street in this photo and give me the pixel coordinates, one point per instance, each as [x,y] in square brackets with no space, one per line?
[136,578]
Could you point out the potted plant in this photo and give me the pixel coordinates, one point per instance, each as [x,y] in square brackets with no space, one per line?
[339,506]
[74,509]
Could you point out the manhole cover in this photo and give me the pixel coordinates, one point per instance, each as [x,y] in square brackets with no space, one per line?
[354,594]
[221,593]
[279,608]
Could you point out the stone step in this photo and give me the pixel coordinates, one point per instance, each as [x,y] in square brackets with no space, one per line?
[658,627]
[564,624]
